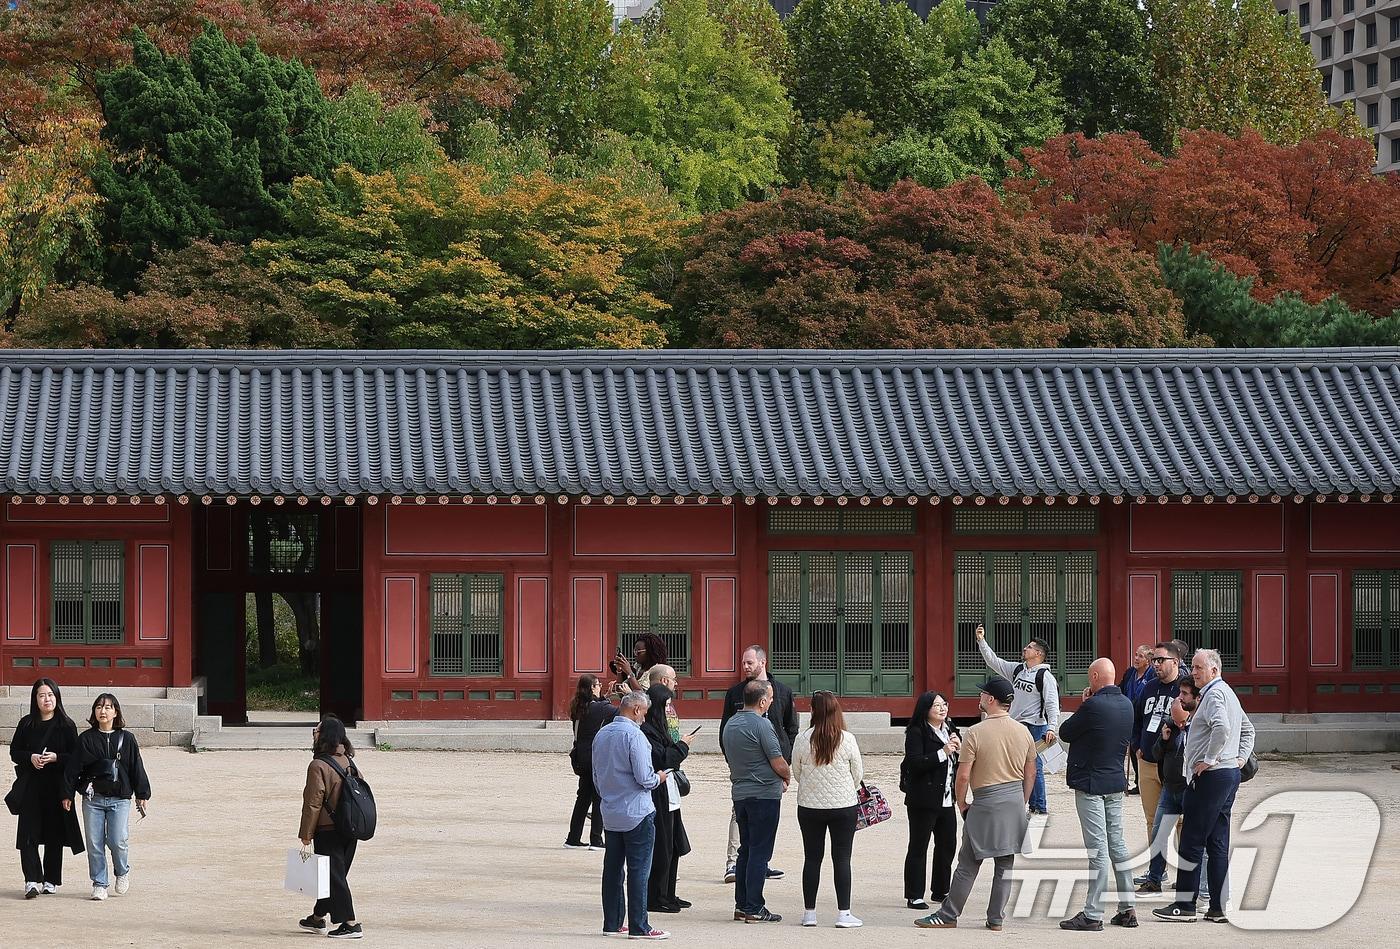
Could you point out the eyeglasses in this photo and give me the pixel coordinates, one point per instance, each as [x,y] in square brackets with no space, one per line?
[1161,659]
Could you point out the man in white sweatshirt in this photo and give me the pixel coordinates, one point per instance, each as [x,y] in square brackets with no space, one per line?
[1037,700]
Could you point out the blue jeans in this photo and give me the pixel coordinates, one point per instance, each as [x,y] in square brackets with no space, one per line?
[105,820]
[1101,824]
[632,848]
[1168,809]
[1205,834]
[758,832]
[1037,801]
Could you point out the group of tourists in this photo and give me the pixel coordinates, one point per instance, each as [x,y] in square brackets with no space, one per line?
[52,764]
[1182,730]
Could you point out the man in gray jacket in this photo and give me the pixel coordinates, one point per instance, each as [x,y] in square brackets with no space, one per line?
[1219,741]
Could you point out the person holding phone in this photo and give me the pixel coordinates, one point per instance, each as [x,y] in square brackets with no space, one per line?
[635,675]
[669,749]
[107,769]
[43,741]
[926,776]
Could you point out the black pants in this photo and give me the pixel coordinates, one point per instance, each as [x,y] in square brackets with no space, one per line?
[339,905]
[49,871]
[940,823]
[815,824]
[665,859]
[586,800]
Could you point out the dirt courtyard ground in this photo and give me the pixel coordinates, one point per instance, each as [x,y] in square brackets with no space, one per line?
[469,854]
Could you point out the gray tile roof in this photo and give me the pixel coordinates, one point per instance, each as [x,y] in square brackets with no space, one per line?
[701,422]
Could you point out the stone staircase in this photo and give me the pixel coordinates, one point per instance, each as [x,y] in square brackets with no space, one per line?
[210,734]
[156,716]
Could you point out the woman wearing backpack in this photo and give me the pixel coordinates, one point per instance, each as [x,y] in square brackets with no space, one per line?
[106,768]
[319,801]
[42,744]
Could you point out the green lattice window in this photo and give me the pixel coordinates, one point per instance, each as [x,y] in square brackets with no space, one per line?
[656,603]
[840,520]
[467,624]
[1017,595]
[1025,520]
[842,620]
[1206,609]
[282,543]
[88,591]
[1375,619]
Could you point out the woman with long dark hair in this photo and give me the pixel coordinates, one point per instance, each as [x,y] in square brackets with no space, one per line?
[319,799]
[43,741]
[106,767]
[589,712]
[669,748]
[827,767]
[931,743]
[648,651]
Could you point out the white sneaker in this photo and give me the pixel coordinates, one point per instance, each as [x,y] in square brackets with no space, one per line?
[99,893]
[49,888]
[31,890]
[123,884]
[845,920]
[809,917]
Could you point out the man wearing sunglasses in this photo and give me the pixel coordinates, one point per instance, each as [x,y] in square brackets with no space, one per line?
[1151,711]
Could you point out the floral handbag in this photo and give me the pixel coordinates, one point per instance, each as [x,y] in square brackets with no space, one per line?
[871,806]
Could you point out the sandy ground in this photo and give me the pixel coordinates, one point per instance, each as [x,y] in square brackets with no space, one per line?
[468,854]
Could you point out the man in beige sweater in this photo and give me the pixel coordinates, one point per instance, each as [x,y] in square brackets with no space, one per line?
[997,763]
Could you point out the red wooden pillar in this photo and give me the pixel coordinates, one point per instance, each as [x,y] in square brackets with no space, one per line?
[182,595]
[753,578]
[1115,640]
[561,629]
[372,565]
[937,620]
[1297,654]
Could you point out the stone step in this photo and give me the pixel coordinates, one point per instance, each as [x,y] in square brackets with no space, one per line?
[269,738]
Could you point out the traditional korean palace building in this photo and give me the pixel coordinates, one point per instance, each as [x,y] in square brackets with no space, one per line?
[479,528]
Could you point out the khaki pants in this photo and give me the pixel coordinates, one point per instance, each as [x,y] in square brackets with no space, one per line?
[1150,790]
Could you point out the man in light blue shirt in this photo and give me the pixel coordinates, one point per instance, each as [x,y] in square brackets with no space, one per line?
[624,778]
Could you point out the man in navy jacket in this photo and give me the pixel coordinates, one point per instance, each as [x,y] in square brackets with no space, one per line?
[1152,710]
[1098,735]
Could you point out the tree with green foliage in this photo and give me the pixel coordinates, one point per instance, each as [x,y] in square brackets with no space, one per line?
[859,56]
[1231,65]
[978,115]
[375,137]
[205,146]
[756,23]
[559,51]
[700,111]
[1094,51]
[1218,304]
[448,259]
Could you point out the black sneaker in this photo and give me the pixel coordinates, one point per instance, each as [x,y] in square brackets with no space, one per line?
[1133,791]
[1215,916]
[763,916]
[1176,913]
[663,908]
[1149,886]
[1081,923]
[1127,919]
[774,873]
[916,904]
[683,904]
[575,845]
[346,931]
[1139,881]
[313,924]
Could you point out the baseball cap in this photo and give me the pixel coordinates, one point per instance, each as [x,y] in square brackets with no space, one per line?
[998,688]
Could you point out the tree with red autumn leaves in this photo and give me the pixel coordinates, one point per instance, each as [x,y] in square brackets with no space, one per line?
[914,267]
[404,50]
[1311,219]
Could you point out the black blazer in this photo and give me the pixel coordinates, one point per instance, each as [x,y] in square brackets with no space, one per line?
[781,713]
[1098,735]
[922,777]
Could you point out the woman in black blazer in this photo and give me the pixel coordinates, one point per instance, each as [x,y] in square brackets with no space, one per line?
[926,776]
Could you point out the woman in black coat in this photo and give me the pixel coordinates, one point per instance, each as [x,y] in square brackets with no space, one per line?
[927,776]
[43,742]
[667,753]
[589,713]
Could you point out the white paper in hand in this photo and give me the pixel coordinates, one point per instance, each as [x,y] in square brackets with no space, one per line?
[1054,758]
[308,874]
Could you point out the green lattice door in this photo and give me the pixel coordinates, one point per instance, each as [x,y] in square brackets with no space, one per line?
[1020,594]
[842,621]
[656,603]
[87,586]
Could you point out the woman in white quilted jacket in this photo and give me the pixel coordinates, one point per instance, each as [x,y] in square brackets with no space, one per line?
[827,768]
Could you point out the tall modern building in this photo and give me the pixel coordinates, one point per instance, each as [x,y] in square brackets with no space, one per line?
[1356,44]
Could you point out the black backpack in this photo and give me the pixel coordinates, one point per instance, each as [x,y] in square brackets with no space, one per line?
[1039,684]
[356,816]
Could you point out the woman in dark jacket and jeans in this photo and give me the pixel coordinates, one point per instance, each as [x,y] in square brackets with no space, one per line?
[668,749]
[926,776]
[589,713]
[40,748]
